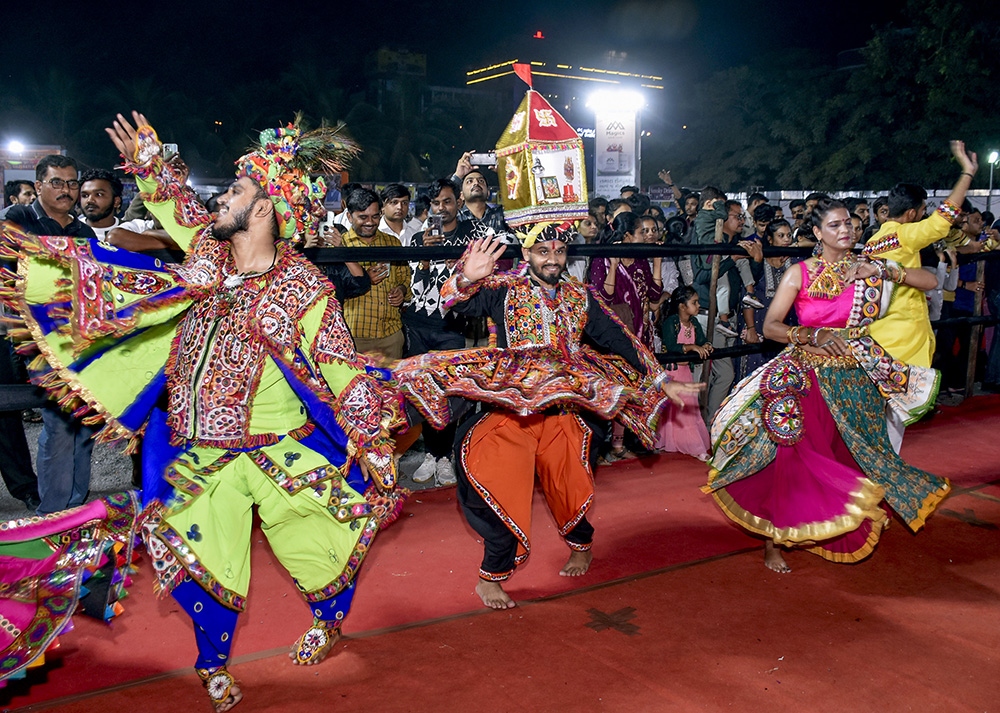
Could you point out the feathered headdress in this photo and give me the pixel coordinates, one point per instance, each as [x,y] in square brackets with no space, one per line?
[282,164]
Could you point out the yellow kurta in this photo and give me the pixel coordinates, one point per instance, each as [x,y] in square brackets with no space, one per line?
[905,330]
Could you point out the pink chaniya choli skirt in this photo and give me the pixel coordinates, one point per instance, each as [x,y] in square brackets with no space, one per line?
[811,482]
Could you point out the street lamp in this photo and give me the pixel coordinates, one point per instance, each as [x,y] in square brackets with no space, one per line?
[15,147]
[992,158]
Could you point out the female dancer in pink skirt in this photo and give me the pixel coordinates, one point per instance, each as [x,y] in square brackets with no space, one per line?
[801,455]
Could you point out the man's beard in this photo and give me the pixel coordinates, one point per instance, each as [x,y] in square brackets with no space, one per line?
[99,216]
[240,222]
[553,280]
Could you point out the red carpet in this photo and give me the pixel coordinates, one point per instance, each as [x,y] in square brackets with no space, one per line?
[921,611]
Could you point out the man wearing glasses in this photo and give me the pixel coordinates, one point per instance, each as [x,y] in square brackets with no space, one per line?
[65,444]
[57,187]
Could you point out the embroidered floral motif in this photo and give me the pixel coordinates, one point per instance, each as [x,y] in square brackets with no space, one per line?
[138,283]
[783,382]
[360,405]
[333,342]
[221,345]
[533,318]
[545,366]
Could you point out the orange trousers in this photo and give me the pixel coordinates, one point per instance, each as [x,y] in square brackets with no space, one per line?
[498,461]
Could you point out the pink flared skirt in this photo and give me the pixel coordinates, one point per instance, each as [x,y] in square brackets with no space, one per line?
[813,494]
[682,430]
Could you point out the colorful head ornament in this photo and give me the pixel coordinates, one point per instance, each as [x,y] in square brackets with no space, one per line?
[282,165]
[544,232]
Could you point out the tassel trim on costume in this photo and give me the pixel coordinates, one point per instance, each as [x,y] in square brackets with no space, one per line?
[60,383]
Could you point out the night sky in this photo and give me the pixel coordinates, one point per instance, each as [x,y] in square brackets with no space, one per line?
[208,45]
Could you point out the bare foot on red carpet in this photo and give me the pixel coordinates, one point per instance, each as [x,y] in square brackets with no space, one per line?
[577,564]
[313,646]
[493,595]
[773,559]
[222,689]
[235,696]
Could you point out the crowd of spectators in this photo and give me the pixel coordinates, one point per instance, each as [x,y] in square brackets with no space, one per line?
[394,309]
[746,281]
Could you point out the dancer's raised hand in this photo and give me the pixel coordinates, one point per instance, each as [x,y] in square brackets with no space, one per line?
[123,134]
[481,257]
[966,159]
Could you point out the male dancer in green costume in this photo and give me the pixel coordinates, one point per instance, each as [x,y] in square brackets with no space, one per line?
[267,402]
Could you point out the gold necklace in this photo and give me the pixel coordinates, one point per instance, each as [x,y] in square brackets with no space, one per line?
[830,281]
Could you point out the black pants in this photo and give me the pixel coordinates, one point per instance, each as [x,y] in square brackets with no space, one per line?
[954,366]
[15,458]
[421,339]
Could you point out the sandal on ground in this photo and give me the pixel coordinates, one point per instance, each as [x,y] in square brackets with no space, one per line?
[219,684]
[622,454]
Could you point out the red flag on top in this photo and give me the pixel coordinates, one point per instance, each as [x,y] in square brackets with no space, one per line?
[524,72]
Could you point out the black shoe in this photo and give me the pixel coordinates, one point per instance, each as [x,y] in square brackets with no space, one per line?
[31,502]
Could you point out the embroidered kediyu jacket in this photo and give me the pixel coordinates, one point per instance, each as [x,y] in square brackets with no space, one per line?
[258,366]
[539,359]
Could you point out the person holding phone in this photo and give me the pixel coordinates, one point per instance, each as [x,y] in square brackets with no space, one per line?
[470,177]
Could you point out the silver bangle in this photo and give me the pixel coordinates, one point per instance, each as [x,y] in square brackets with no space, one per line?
[663,376]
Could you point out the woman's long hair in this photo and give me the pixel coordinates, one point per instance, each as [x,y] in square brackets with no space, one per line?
[622,224]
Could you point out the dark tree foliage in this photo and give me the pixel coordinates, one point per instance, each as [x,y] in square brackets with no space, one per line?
[791,123]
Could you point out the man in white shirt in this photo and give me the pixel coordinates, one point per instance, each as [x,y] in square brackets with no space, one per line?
[100,200]
[395,208]
[421,209]
[342,218]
